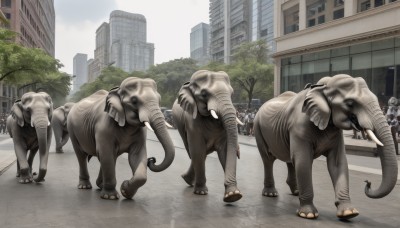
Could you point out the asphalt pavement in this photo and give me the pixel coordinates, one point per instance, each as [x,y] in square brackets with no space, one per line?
[166,200]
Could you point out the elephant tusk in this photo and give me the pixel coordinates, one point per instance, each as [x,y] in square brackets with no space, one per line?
[214,114]
[239,122]
[32,124]
[48,123]
[148,126]
[373,137]
[168,125]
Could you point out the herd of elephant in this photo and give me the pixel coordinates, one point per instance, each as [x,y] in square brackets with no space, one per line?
[293,127]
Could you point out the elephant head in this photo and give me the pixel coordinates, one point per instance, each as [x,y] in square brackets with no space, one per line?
[136,103]
[209,94]
[36,109]
[347,103]
[64,111]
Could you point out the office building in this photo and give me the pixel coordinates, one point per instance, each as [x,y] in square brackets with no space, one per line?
[317,38]
[80,71]
[34,23]
[233,22]
[200,43]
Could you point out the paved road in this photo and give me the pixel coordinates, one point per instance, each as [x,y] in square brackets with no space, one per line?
[166,201]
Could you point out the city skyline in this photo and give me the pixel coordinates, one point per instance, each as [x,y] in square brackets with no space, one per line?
[76,25]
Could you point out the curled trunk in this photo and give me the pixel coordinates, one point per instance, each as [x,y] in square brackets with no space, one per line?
[387,156]
[157,122]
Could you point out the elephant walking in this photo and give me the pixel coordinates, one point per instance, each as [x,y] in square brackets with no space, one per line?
[206,120]
[107,124]
[29,127]
[297,128]
[59,125]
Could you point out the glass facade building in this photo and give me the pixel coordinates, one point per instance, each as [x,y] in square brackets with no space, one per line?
[318,38]
[200,43]
[263,22]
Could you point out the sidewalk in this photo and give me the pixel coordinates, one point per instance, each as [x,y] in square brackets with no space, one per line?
[7,156]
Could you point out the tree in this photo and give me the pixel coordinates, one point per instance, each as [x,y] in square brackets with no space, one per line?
[22,65]
[170,76]
[250,72]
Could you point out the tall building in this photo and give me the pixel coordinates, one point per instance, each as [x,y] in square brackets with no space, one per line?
[80,71]
[317,38]
[129,49]
[122,43]
[200,43]
[234,22]
[34,22]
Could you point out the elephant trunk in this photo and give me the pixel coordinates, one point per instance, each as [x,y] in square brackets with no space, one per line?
[386,153]
[227,112]
[157,122]
[40,122]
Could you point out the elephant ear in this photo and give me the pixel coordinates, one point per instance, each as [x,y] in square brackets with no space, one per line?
[186,100]
[64,120]
[316,106]
[114,107]
[16,113]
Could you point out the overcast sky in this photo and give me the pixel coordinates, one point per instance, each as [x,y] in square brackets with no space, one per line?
[168,25]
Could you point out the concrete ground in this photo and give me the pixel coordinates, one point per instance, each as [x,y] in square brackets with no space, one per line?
[166,201]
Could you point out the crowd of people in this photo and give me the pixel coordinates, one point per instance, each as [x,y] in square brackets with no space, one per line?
[3,120]
[247,117]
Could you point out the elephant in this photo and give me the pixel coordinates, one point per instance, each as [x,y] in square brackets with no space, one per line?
[206,120]
[297,128]
[29,127]
[107,124]
[59,125]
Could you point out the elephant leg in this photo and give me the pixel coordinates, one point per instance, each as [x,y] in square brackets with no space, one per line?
[58,138]
[84,178]
[107,162]
[232,193]
[303,158]
[99,180]
[338,170]
[64,139]
[18,170]
[269,182]
[32,153]
[137,161]
[189,175]
[23,165]
[291,179]
[198,153]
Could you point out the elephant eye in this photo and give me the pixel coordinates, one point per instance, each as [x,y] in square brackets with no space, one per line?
[204,94]
[349,103]
[134,101]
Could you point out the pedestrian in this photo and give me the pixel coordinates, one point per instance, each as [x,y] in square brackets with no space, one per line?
[2,124]
[394,124]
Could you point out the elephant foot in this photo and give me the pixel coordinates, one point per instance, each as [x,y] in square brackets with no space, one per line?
[25,180]
[99,183]
[125,191]
[84,184]
[308,211]
[270,192]
[201,190]
[232,196]
[188,179]
[109,194]
[346,211]
[59,150]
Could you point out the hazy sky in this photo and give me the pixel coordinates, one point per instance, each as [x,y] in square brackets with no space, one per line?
[168,25]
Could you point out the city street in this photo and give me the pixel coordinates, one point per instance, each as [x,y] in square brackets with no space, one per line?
[166,200]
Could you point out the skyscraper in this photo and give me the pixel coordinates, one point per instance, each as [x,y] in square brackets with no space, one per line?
[263,22]
[200,43]
[80,71]
[129,49]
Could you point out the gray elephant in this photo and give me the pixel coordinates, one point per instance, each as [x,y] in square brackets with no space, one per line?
[297,128]
[206,120]
[107,124]
[29,127]
[59,125]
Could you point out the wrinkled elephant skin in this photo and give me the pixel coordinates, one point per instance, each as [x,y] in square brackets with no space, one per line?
[107,124]
[29,127]
[297,128]
[206,120]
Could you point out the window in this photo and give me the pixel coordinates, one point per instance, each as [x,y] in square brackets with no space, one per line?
[8,16]
[364,5]
[339,3]
[315,12]
[6,3]
[379,3]
[291,19]
[338,14]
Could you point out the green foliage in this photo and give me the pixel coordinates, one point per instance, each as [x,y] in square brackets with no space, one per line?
[170,76]
[250,73]
[109,78]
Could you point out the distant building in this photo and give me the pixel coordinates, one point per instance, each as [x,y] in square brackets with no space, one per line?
[80,71]
[34,22]
[122,43]
[317,38]
[200,43]
[234,22]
